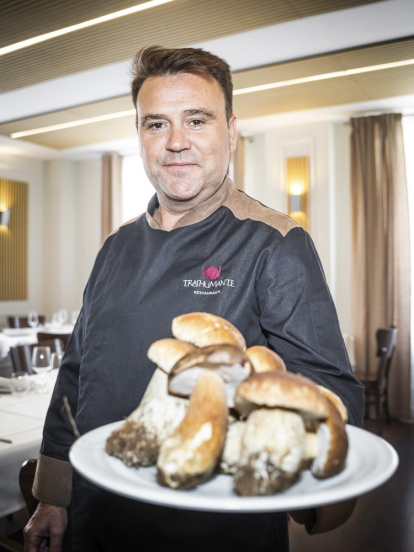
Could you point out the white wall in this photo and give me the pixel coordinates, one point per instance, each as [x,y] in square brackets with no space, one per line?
[64,230]
[326,144]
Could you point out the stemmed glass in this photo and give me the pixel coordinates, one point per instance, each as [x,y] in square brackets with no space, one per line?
[62,317]
[42,364]
[33,319]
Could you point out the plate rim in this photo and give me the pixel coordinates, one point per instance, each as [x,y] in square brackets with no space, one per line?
[164,496]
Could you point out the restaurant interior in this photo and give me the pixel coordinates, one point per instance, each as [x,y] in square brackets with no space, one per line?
[324,96]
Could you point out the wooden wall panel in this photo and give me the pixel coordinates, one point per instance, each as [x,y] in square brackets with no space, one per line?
[14,241]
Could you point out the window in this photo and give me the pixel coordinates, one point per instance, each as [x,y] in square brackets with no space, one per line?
[137,190]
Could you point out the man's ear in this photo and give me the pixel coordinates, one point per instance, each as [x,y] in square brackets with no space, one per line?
[233,132]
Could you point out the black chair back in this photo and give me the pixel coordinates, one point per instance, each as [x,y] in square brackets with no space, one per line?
[21,355]
[21,321]
[386,339]
[45,336]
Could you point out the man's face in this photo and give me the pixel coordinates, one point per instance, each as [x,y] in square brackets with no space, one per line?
[185,139]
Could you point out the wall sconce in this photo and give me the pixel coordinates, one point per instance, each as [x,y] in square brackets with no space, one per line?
[297,179]
[4,218]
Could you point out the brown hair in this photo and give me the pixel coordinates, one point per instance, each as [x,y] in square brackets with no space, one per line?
[156,61]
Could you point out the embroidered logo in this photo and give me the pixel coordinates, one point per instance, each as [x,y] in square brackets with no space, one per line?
[211,272]
[211,282]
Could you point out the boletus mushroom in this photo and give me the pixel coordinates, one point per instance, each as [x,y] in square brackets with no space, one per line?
[191,453]
[203,329]
[230,362]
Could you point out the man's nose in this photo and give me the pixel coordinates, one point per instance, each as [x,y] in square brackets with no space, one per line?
[178,139]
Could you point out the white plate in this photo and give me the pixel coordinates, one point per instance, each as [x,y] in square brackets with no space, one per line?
[371,461]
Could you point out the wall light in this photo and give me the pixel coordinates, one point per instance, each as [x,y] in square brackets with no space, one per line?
[297,180]
[4,218]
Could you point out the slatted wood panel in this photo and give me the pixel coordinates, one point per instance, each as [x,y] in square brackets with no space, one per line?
[14,241]
[178,23]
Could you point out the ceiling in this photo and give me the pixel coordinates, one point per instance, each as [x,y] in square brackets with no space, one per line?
[84,74]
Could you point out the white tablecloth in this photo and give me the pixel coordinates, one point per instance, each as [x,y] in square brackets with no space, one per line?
[11,337]
[21,421]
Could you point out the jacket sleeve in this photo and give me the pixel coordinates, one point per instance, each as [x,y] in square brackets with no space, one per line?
[299,319]
[53,481]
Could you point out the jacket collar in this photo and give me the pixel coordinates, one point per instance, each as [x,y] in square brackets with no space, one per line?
[198,213]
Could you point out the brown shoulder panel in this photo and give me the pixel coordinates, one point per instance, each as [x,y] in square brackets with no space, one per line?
[244,207]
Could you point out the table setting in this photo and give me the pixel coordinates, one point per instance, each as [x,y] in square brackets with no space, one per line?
[22,415]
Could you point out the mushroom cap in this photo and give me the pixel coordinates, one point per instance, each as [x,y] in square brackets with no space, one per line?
[264,359]
[166,352]
[230,362]
[333,397]
[333,445]
[278,389]
[203,329]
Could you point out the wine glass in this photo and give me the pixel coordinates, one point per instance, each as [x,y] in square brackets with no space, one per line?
[42,364]
[62,316]
[33,319]
[56,360]
[74,316]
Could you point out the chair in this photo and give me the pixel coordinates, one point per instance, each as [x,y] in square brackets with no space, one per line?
[14,543]
[376,386]
[21,355]
[21,321]
[44,336]
[26,479]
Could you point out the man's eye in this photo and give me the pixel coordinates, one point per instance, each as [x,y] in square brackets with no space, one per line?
[156,126]
[196,123]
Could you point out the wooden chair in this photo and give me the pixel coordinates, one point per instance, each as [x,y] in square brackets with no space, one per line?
[44,336]
[14,543]
[26,479]
[9,545]
[21,321]
[376,386]
[21,355]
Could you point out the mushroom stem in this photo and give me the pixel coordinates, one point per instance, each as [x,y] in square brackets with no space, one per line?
[192,452]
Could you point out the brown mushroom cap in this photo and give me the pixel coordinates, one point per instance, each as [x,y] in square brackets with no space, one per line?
[166,352]
[230,362]
[333,445]
[333,397]
[281,390]
[203,329]
[264,359]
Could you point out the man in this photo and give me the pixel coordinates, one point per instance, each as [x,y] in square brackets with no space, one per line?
[202,246]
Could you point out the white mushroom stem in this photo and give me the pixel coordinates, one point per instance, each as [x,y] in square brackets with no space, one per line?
[193,451]
[271,454]
[139,438]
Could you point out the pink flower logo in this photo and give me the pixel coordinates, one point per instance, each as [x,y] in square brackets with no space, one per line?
[211,272]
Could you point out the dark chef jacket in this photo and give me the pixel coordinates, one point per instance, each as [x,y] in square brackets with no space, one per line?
[230,256]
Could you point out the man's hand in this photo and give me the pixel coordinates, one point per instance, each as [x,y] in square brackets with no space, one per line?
[48,522]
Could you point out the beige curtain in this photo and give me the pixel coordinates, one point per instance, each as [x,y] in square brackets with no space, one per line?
[381,249]
[111,193]
[237,159]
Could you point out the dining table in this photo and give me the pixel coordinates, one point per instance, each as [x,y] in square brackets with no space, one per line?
[21,424]
[10,337]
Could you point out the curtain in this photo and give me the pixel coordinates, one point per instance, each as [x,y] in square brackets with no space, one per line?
[237,160]
[381,249]
[111,207]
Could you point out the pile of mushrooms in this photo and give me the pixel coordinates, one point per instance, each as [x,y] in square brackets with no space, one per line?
[214,406]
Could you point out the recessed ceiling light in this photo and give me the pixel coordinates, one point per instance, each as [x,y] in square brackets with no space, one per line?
[323,76]
[109,17]
[71,124]
[240,91]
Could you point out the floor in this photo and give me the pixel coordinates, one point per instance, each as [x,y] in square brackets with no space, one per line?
[383,520]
